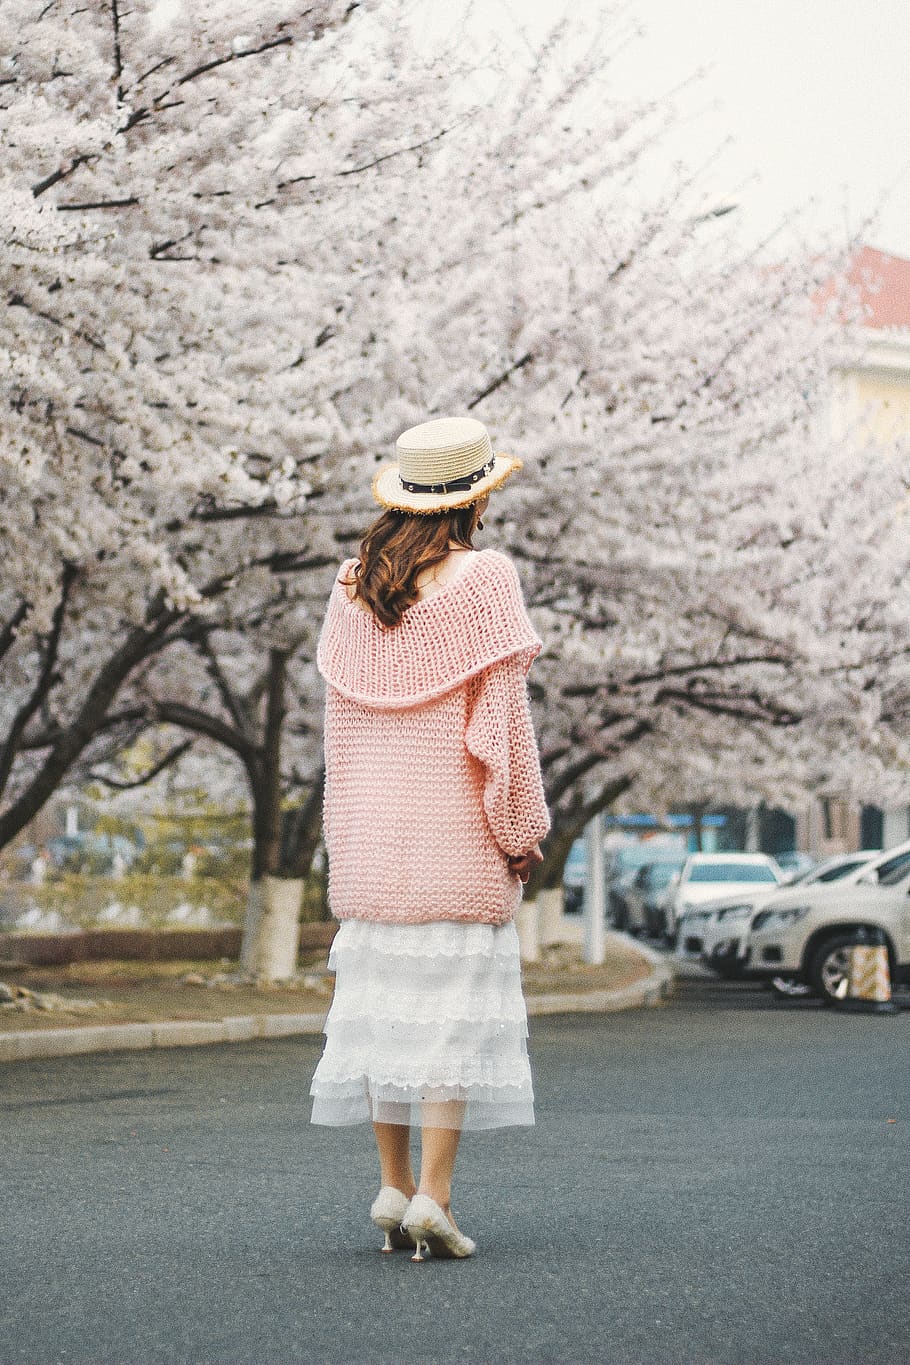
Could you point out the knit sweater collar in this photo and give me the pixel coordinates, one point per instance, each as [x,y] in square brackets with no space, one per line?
[475,620]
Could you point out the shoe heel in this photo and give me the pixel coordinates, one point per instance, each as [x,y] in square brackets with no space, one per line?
[432,1231]
[387,1211]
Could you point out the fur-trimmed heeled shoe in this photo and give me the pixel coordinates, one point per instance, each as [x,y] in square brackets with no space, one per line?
[387,1210]
[431,1231]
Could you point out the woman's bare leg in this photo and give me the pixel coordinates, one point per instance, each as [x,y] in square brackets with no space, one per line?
[440,1135]
[394,1143]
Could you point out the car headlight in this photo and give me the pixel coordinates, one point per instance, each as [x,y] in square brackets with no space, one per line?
[734,912]
[783,917]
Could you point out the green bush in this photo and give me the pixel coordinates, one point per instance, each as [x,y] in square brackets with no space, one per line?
[80,898]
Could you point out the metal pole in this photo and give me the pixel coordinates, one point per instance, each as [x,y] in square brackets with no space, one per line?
[595,893]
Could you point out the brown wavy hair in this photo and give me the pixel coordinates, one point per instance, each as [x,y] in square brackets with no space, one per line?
[397,547]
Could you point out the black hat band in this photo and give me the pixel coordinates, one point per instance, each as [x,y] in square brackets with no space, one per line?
[461,485]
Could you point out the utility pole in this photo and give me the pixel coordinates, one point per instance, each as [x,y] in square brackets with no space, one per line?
[595,893]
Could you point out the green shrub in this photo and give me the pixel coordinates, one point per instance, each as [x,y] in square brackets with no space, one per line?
[80,898]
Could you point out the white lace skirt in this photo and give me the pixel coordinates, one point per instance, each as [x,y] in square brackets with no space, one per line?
[428,1025]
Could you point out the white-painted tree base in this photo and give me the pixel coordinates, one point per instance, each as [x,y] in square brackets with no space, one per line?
[528,925]
[554,925]
[543,922]
[271,932]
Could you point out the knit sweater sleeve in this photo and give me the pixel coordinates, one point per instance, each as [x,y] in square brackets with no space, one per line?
[500,734]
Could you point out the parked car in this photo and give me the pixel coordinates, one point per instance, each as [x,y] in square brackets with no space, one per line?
[625,863]
[837,867]
[793,863]
[724,931]
[89,852]
[709,879]
[804,934]
[647,895]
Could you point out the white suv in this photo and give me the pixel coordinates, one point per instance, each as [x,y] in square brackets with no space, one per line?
[804,935]
[709,879]
[722,940]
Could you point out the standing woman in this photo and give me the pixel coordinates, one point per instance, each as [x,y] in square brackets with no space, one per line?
[434,809]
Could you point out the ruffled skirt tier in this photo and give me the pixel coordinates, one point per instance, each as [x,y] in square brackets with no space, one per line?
[428,1025]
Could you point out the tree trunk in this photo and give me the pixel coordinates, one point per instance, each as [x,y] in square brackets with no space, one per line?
[265,775]
[527,922]
[569,825]
[271,930]
[547,876]
[554,925]
[539,918]
[301,830]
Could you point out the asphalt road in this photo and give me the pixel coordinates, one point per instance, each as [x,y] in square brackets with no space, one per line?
[714,1180]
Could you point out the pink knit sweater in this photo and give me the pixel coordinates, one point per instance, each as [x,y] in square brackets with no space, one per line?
[432,772]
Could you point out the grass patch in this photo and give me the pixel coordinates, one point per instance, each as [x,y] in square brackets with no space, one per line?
[143,992]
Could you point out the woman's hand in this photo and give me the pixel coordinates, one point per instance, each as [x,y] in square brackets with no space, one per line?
[521,865]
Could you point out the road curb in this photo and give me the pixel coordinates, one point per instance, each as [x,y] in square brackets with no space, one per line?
[239,1028]
[647,992]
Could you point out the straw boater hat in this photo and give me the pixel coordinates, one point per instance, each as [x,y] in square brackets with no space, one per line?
[445,463]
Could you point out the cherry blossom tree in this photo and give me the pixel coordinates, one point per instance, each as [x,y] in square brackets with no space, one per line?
[241,257]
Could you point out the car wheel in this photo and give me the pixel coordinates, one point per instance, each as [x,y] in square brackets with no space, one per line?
[829,968]
[785,988]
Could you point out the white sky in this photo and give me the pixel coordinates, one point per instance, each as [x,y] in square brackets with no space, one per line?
[814,93]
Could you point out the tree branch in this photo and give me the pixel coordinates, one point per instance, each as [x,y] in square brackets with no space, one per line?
[200,722]
[506,375]
[44,739]
[165,61]
[56,176]
[400,151]
[678,670]
[232,703]
[170,757]
[44,682]
[156,251]
[20,301]
[159,102]
[558,786]
[562,783]
[605,797]
[8,633]
[258,509]
[89,718]
[283,41]
[748,706]
[129,203]
[118,63]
